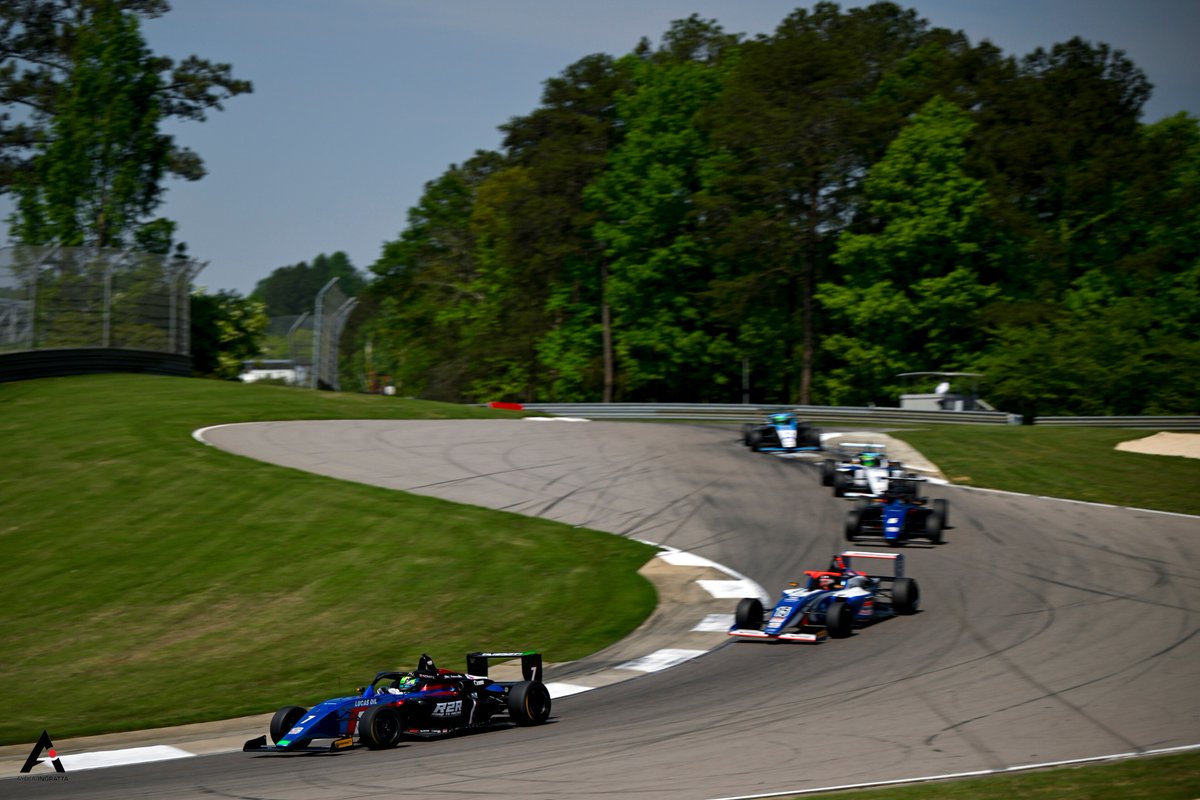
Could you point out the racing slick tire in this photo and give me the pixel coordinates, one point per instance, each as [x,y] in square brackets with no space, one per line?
[942,507]
[853,524]
[906,596]
[933,527]
[747,428]
[379,727]
[284,720]
[755,440]
[749,615]
[841,482]
[528,703]
[839,619]
[828,470]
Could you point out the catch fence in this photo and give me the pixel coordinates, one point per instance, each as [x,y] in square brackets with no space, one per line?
[54,298]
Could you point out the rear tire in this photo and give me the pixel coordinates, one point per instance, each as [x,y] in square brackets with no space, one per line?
[841,482]
[284,720]
[828,470]
[379,727]
[755,440]
[853,524]
[839,619]
[933,527]
[906,596]
[529,703]
[749,614]
[942,507]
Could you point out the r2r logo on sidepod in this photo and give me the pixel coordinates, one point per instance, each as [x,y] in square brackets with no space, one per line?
[448,709]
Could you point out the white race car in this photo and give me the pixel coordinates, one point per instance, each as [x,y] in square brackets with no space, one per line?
[868,473]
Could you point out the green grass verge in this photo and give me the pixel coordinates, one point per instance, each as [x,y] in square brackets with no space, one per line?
[154,581]
[1074,463]
[151,580]
[1165,777]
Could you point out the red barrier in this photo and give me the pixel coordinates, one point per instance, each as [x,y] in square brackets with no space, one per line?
[507,406]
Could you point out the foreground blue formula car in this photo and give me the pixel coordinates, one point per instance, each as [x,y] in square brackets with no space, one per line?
[425,703]
[784,433]
[832,602]
[898,515]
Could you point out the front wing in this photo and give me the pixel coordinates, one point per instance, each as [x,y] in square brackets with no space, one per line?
[805,638]
[261,745]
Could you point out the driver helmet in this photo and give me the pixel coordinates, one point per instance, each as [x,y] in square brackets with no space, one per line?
[825,582]
[408,683]
[870,460]
[780,418]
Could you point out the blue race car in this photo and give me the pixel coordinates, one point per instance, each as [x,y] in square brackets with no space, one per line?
[831,602]
[784,433]
[425,703]
[898,515]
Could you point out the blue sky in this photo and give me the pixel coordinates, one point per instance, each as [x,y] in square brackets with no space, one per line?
[357,103]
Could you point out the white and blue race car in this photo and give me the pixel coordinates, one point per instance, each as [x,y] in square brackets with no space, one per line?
[781,433]
[832,602]
[868,473]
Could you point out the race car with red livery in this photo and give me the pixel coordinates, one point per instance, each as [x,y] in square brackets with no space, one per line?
[425,703]
[832,602]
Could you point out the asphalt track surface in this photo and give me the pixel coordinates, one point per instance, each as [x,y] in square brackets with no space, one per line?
[1049,630]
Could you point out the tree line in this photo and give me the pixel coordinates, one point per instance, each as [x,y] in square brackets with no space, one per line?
[857,195]
[799,216]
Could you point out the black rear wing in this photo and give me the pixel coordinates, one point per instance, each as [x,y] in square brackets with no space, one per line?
[531,664]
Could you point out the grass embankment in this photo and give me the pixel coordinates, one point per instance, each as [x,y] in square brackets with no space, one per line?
[151,580]
[1167,777]
[1074,463]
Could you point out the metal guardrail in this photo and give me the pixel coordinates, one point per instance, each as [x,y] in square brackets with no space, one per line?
[716,412]
[1180,423]
[842,415]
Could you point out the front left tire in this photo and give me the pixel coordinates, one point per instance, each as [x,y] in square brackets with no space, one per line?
[284,720]
[379,727]
[839,619]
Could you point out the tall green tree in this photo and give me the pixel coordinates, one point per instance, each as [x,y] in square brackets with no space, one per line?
[100,170]
[293,290]
[560,148]
[1057,141]
[909,292]
[657,271]
[1122,338]
[38,46]
[226,331]
[423,284]
[802,118]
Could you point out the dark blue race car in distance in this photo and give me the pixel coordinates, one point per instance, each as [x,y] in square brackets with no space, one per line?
[425,703]
[832,602]
[898,515]
[781,433]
